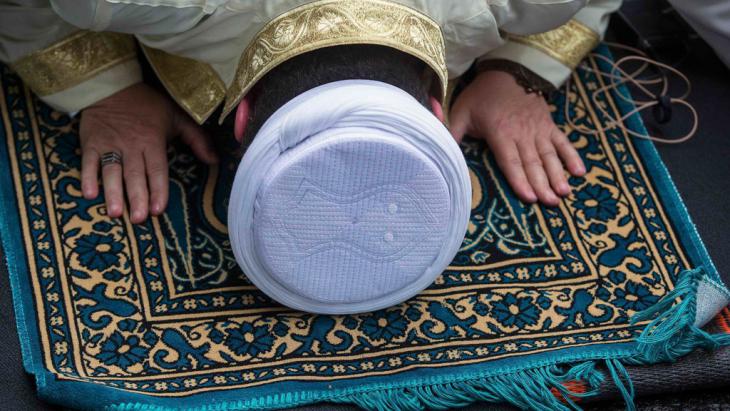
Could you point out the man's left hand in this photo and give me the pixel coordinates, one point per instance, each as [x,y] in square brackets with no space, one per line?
[518,128]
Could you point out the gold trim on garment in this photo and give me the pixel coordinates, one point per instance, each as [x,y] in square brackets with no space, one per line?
[194,85]
[449,98]
[568,44]
[327,23]
[73,60]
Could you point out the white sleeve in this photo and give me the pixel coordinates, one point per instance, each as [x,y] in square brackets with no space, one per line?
[68,68]
[555,53]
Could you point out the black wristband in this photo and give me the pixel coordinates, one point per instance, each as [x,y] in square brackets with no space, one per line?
[526,78]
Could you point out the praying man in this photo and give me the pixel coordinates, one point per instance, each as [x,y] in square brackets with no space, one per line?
[81,56]
[352,194]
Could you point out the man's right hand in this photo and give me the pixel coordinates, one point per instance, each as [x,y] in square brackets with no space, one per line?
[135,123]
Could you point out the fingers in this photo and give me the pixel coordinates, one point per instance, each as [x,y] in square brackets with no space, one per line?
[198,140]
[510,163]
[111,175]
[568,154]
[553,167]
[145,180]
[90,174]
[535,172]
[135,182]
[157,177]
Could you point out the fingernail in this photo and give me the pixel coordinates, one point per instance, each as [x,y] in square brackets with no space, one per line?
[531,196]
[565,188]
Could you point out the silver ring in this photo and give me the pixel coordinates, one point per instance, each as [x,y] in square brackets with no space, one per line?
[111,157]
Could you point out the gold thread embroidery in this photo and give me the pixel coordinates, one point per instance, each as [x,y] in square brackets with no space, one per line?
[73,60]
[568,44]
[449,97]
[194,85]
[329,23]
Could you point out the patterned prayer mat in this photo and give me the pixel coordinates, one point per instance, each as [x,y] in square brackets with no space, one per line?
[536,308]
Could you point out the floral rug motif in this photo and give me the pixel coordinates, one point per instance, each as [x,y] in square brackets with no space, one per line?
[111,313]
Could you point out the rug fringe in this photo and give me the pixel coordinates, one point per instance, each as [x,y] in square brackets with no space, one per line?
[617,371]
[540,388]
[672,333]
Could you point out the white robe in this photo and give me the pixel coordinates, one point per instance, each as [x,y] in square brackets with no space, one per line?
[217,32]
[711,19]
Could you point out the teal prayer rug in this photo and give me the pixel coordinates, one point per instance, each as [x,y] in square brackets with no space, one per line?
[538,308]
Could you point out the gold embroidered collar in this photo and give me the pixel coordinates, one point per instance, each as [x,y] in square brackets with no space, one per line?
[327,23]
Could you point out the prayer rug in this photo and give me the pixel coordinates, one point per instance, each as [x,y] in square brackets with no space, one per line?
[535,310]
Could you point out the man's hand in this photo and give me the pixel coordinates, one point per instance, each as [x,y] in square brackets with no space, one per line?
[519,130]
[135,123]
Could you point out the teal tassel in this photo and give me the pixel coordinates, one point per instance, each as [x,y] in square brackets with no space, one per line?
[617,370]
[533,389]
[672,334]
[586,372]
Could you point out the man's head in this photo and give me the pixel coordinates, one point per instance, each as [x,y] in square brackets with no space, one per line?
[312,69]
[352,196]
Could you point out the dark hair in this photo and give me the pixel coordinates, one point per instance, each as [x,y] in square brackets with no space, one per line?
[312,69]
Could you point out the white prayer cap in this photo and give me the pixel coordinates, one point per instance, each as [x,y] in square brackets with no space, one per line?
[351,198]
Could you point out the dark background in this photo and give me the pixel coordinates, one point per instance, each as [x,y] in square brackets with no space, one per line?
[700,168]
